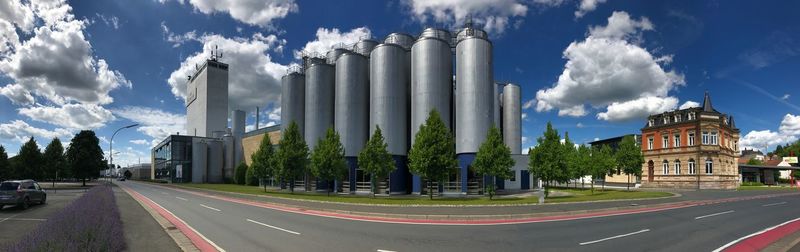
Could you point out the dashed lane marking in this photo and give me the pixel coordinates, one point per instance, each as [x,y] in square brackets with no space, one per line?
[273,227]
[210,208]
[614,237]
[714,214]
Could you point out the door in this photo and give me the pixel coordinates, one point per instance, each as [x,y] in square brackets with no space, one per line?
[650,171]
[525,180]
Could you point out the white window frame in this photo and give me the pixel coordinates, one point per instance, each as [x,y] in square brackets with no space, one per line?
[690,138]
[650,122]
[709,166]
[691,116]
[705,138]
[665,141]
[677,118]
[650,143]
[714,138]
[676,141]
[666,119]
[691,166]
[677,167]
[665,168]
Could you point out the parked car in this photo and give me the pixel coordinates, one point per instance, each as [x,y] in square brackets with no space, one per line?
[21,193]
[121,179]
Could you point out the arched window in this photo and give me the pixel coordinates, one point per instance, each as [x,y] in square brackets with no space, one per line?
[691,166]
[677,167]
[665,167]
[709,166]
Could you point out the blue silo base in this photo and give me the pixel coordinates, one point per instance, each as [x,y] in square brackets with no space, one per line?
[464,161]
[399,178]
[352,165]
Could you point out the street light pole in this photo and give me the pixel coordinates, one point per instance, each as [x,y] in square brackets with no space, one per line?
[111,144]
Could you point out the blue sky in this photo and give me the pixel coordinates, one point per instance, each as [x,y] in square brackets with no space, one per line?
[593,68]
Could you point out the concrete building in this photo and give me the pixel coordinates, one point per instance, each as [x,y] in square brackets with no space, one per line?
[691,148]
[206,109]
[138,171]
[619,177]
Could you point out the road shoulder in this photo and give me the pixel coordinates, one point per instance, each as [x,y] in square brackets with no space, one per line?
[144,229]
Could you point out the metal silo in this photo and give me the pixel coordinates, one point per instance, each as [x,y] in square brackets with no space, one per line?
[497,117]
[512,135]
[389,103]
[334,54]
[352,101]
[318,101]
[293,94]
[364,47]
[401,39]
[474,90]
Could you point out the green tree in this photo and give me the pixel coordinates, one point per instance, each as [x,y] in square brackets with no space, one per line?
[263,165]
[240,174]
[569,153]
[5,167]
[603,163]
[327,159]
[433,153]
[754,161]
[583,162]
[292,156]
[28,164]
[629,158]
[375,159]
[54,161]
[250,177]
[84,156]
[546,160]
[493,160]
[127,174]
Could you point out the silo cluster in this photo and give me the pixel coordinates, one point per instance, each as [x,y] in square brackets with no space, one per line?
[394,84]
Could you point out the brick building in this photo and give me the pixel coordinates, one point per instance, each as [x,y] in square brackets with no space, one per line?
[691,148]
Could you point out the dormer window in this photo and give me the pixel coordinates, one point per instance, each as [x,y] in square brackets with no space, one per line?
[666,120]
[650,123]
[691,115]
[677,118]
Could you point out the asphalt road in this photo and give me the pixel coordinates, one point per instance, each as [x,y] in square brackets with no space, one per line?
[240,227]
[16,222]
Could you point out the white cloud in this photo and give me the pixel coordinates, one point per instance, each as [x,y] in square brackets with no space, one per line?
[790,125]
[72,116]
[139,142]
[494,15]
[56,62]
[764,139]
[326,38]
[609,70]
[253,79]
[17,94]
[550,3]
[528,104]
[636,109]
[689,104]
[587,6]
[155,123]
[785,97]
[20,131]
[112,21]
[260,13]
[18,14]
[177,39]
[524,116]
[580,125]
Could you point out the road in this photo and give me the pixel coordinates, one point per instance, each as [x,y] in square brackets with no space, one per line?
[241,227]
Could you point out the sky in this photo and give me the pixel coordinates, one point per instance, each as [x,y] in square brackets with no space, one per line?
[594,68]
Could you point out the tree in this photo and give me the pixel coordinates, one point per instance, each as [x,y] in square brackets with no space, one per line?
[375,159]
[292,156]
[263,165]
[54,161]
[433,153]
[250,177]
[602,164]
[240,174]
[84,156]
[583,162]
[629,158]
[327,159]
[28,164]
[127,174]
[5,167]
[569,153]
[546,160]
[493,160]
[754,161]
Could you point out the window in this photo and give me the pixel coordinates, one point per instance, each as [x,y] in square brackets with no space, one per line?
[691,139]
[691,166]
[666,120]
[691,115]
[677,118]
[665,142]
[736,145]
[705,137]
[709,166]
[677,140]
[650,123]
[677,167]
[714,138]
[650,143]
[665,167]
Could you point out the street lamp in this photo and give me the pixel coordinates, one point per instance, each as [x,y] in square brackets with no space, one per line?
[111,142]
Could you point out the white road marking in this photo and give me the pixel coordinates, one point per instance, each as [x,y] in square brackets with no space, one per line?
[753,234]
[9,217]
[23,219]
[210,208]
[273,227]
[775,204]
[383,250]
[714,214]
[181,198]
[614,237]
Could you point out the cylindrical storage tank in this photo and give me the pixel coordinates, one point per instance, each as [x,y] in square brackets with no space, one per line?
[473,95]
[334,54]
[364,47]
[512,135]
[431,78]
[293,94]
[215,161]
[230,162]
[497,117]
[401,39]
[389,90]
[238,123]
[308,61]
[352,102]
[319,102]
[199,161]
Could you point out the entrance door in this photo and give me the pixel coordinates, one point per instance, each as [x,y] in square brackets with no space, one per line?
[525,180]
[650,171]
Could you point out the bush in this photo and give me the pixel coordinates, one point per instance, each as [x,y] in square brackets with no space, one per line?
[90,223]
[752,184]
[250,177]
[240,174]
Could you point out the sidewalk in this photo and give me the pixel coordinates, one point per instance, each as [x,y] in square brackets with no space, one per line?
[142,232]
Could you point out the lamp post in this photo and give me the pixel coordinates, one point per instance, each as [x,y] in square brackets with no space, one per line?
[111,144]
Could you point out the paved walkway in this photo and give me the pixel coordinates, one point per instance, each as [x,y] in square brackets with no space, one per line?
[142,232]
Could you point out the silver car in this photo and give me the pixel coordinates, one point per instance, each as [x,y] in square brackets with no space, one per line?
[21,193]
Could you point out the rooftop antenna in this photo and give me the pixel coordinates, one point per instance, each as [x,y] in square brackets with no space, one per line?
[216,53]
[468,21]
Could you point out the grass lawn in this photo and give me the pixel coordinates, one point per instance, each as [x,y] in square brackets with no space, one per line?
[578,195]
[749,188]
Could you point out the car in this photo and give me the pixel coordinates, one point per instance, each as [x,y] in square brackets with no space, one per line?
[21,193]
[121,179]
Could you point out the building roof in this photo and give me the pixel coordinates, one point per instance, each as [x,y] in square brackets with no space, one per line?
[615,139]
[260,131]
[707,107]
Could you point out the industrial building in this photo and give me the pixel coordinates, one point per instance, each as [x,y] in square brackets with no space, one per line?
[619,177]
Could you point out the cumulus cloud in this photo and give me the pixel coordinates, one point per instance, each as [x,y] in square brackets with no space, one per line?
[17,94]
[785,97]
[177,39]
[789,131]
[253,78]
[790,125]
[528,104]
[155,123]
[326,38]
[689,104]
[56,62]
[139,142]
[587,6]
[606,70]
[20,131]
[72,116]
[494,15]
[260,13]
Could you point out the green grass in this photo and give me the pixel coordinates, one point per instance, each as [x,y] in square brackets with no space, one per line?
[750,188]
[578,195]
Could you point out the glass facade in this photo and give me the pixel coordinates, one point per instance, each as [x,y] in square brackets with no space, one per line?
[171,154]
